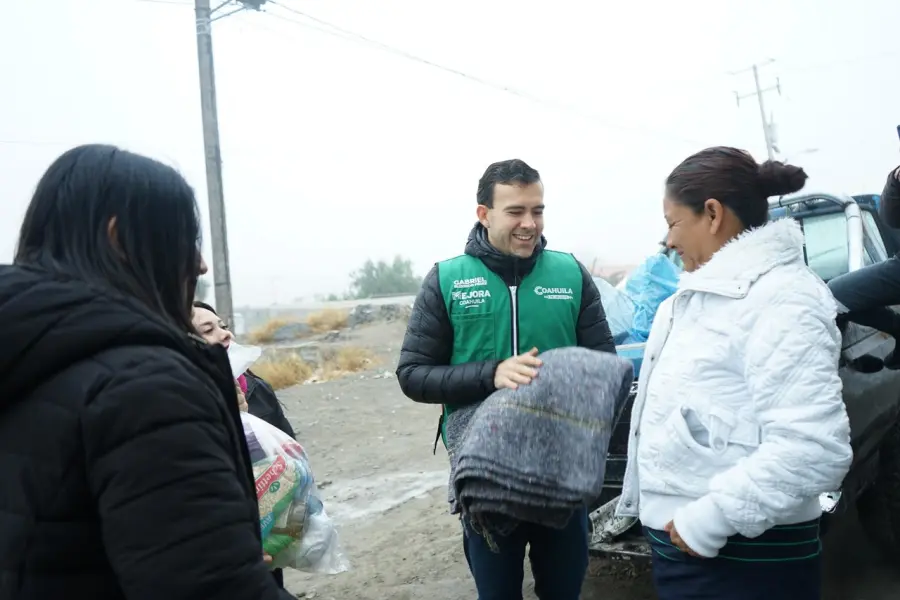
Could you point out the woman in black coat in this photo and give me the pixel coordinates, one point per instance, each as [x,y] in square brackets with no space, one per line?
[125,471]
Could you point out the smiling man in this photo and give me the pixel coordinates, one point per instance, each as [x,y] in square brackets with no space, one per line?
[477,325]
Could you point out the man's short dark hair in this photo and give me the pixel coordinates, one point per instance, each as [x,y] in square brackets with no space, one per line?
[506,172]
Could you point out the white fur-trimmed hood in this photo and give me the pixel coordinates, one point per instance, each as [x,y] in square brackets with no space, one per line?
[750,255]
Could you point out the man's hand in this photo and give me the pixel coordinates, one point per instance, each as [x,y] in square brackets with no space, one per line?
[897,174]
[517,370]
[676,539]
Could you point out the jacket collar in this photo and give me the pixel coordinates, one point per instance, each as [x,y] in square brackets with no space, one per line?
[509,267]
[739,263]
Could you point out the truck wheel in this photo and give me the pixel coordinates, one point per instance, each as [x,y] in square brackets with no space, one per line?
[879,507]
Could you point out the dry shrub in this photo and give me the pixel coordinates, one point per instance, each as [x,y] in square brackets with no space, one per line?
[266,333]
[353,358]
[286,370]
[327,320]
[283,371]
[345,360]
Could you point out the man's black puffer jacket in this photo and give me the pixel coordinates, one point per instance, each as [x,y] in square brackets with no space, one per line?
[125,472]
[424,370]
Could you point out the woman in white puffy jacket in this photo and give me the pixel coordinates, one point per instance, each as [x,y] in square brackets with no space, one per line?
[738,424]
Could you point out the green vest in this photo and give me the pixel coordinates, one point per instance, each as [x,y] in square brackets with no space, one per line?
[492,321]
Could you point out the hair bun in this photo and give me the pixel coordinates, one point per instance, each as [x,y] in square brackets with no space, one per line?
[778,179]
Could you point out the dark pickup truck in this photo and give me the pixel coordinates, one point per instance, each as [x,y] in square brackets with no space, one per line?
[842,234]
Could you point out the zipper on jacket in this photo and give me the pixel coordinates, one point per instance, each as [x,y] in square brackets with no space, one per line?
[514,302]
[653,359]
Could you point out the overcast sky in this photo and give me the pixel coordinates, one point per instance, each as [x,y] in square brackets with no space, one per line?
[336,150]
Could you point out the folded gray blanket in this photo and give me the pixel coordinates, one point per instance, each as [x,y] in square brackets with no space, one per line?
[538,454]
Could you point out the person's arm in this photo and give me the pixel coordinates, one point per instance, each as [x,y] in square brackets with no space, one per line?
[593,330]
[424,370]
[791,369]
[890,199]
[177,520]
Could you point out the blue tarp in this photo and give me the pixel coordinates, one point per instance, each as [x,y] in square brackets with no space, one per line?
[619,310]
[648,286]
[630,312]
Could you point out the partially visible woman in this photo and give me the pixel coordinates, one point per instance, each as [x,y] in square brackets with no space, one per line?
[261,399]
[126,474]
[738,424]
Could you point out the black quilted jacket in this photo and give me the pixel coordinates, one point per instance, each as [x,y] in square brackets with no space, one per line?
[424,371]
[124,470]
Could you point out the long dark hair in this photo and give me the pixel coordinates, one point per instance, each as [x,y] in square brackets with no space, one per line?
[117,219]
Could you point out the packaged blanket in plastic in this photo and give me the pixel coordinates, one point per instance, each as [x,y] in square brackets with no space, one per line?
[296,531]
[648,286]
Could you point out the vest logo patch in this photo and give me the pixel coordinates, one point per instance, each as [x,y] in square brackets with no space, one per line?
[469,283]
[553,293]
[470,298]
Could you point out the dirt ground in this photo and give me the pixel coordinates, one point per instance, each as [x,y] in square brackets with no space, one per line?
[371,451]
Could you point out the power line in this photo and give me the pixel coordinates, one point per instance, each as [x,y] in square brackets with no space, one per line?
[700,81]
[392,49]
[331,29]
[328,28]
[337,31]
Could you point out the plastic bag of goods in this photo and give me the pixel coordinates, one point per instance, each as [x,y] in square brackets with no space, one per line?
[296,531]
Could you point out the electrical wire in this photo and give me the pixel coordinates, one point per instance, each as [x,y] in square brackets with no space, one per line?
[327,28]
[322,26]
[724,75]
[317,24]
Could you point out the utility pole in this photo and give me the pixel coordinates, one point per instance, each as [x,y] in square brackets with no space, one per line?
[213,151]
[767,123]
